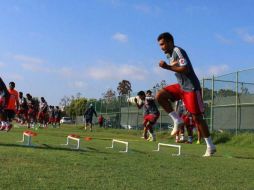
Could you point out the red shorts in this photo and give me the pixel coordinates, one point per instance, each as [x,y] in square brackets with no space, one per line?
[188,120]
[41,116]
[192,100]
[51,120]
[57,120]
[151,118]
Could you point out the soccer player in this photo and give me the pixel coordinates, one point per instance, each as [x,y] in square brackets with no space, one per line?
[23,109]
[88,116]
[12,105]
[188,89]
[31,115]
[100,120]
[42,115]
[151,113]
[4,98]
[57,116]
[52,119]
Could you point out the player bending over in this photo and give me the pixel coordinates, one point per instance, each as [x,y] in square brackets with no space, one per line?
[151,113]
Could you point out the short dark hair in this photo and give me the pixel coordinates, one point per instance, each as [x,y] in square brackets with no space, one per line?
[166,36]
[141,93]
[12,84]
[149,92]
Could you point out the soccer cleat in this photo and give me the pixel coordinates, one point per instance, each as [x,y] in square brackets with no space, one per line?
[210,152]
[176,127]
[8,128]
[198,142]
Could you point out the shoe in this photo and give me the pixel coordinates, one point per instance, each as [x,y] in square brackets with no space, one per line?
[176,127]
[209,152]
[8,128]
[198,142]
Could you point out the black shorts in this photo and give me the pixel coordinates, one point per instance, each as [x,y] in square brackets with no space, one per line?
[10,114]
[89,120]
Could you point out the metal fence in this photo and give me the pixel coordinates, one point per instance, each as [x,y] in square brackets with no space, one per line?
[229,105]
[229,101]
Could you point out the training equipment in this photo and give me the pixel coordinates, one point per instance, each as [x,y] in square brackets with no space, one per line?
[75,138]
[88,138]
[132,100]
[118,141]
[29,135]
[170,145]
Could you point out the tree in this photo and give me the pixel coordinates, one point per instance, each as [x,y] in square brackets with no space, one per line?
[124,87]
[109,95]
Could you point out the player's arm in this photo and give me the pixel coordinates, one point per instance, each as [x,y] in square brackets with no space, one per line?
[138,105]
[174,66]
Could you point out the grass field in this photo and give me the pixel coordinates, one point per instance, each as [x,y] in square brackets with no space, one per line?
[50,165]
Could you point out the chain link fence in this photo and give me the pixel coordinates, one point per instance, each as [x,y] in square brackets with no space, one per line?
[229,101]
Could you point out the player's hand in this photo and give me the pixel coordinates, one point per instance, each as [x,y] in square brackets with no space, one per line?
[163,64]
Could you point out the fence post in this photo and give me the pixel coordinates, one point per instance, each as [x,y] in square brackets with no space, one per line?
[236,103]
[128,112]
[212,103]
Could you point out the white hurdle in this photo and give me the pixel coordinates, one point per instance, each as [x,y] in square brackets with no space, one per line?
[118,141]
[170,145]
[75,138]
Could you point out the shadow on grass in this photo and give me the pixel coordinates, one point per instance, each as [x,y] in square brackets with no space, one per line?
[48,147]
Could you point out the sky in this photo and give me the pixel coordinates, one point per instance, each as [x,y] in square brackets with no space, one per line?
[57,48]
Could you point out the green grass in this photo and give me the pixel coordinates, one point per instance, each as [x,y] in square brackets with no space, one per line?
[49,165]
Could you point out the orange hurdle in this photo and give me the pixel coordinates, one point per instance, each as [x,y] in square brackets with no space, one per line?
[28,134]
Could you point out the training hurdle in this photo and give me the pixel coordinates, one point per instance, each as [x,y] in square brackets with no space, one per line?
[75,138]
[118,141]
[170,145]
[29,135]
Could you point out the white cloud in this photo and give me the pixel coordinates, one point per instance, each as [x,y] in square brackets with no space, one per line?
[117,72]
[31,63]
[15,77]
[223,40]
[245,36]
[120,37]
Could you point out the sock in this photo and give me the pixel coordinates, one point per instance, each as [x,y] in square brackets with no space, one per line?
[174,116]
[209,142]
[182,137]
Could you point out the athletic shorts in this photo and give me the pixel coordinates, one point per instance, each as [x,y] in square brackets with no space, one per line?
[152,118]
[10,114]
[57,120]
[192,100]
[89,120]
[52,120]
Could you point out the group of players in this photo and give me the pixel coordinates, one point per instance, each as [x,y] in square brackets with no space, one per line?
[27,110]
[151,115]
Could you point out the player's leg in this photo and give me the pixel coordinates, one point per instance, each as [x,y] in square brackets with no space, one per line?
[194,104]
[190,133]
[164,97]
[145,124]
